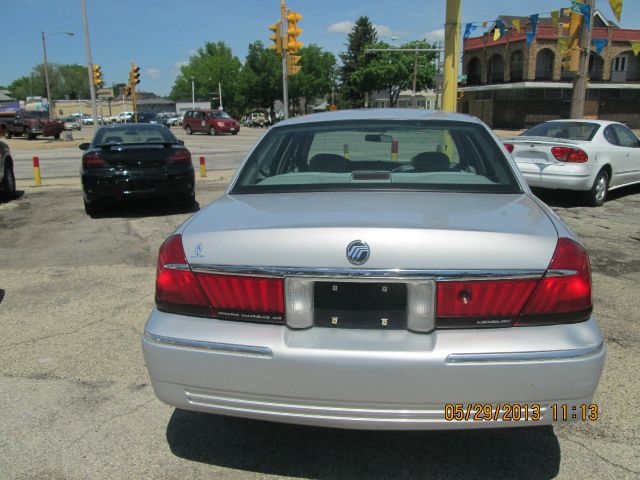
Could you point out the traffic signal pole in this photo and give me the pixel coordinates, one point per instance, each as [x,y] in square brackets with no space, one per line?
[451,56]
[92,87]
[285,52]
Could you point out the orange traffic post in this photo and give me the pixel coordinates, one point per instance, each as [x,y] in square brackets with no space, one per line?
[36,171]
[394,150]
[203,167]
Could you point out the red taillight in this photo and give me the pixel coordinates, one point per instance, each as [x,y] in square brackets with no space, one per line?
[564,293]
[244,298]
[568,154]
[177,290]
[509,147]
[180,156]
[180,290]
[93,160]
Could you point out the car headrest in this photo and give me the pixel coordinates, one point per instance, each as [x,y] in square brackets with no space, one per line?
[329,162]
[113,140]
[430,162]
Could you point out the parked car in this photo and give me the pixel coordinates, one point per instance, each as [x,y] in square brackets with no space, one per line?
[256,119]
[213,122]
[149,117]
[394,287]
[72,123]
[87,120]
[588,156]
[8,179]
[135,161]
[174,120]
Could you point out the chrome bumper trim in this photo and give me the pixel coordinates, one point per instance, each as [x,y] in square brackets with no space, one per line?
[524,356]
[394,273]
[229,348]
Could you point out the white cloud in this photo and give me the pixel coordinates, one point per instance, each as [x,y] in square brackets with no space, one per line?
[385,31]
[435,35]
[154,72]
[341,27]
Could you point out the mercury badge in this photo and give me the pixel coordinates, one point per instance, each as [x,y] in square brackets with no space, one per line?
[358,252]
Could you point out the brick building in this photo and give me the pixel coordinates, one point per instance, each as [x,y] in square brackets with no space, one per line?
[512,85]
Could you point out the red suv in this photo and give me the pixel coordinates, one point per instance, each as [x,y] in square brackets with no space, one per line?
[213,122]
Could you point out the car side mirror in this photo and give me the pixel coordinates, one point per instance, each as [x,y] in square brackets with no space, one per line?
[84,146]
[181,142]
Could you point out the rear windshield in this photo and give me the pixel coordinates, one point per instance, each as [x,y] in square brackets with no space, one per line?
[128,134]
[566,130]
[387,155]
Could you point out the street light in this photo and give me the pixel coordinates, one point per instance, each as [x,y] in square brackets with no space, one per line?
[193,94]
[46,67]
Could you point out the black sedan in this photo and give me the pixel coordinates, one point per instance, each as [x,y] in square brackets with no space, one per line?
[135,161]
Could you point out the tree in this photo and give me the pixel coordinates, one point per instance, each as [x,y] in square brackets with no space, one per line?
[64,81]
[394,71]
[317,76]
[363,35]
[214,63]
[261,78]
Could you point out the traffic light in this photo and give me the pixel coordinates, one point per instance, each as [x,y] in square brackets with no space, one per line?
[127,90]
[134,75]
[293,31]
[97,76]
[292,64]
[276,38]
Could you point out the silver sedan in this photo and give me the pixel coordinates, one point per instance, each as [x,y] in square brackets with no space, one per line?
[589,156]
[376,269]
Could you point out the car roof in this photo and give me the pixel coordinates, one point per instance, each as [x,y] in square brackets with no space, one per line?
[379,114]
[583,120]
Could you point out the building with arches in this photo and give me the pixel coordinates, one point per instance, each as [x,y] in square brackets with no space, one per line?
[510,84]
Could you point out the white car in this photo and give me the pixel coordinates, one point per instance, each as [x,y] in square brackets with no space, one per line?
[590,156]
[124,117]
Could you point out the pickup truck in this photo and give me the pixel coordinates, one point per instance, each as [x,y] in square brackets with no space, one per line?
[30,124]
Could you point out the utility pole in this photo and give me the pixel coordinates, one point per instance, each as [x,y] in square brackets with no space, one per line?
[87,46]
[285,77]
[451,55]
[582,75]
[415,79]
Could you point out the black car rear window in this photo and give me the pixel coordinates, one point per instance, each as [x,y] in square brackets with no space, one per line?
[565,130]
[133,134]
[388,155]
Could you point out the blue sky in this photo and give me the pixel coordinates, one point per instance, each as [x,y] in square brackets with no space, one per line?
[161,34]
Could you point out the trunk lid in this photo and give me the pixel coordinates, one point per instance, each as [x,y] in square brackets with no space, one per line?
[538,149]
[404,230]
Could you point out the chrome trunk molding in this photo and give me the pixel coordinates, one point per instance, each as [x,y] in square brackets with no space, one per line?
[229,348]
[394,273]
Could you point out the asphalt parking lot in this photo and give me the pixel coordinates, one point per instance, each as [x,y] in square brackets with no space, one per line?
[75,396]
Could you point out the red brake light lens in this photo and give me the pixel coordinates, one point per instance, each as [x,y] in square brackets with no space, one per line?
[180,290]
[180,156]
[509,147]
[570,155]
[93,160]
[564,293]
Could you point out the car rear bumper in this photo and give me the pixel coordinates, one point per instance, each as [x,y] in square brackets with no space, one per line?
[370,379]
[136,185]
[558,176]
[228,129]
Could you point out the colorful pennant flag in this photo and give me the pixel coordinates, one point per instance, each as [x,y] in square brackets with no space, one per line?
[555,16]
[635,46]
[516,24]
[534,24]
[503,28]
[584,10]
[599,43]
[496,34]
[616,7]
[530,36]
[563,45]
[468,30]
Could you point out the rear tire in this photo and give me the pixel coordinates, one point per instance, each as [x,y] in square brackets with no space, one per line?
[57,136]
[187,201]
[212,131]
[188,130]
[92,208]
[234,133]
[598,193]
[7,133]
[8,181]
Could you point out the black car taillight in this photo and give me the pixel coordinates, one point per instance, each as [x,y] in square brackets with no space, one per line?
[179,290]
[93,160]
[180,156]
[562,295]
